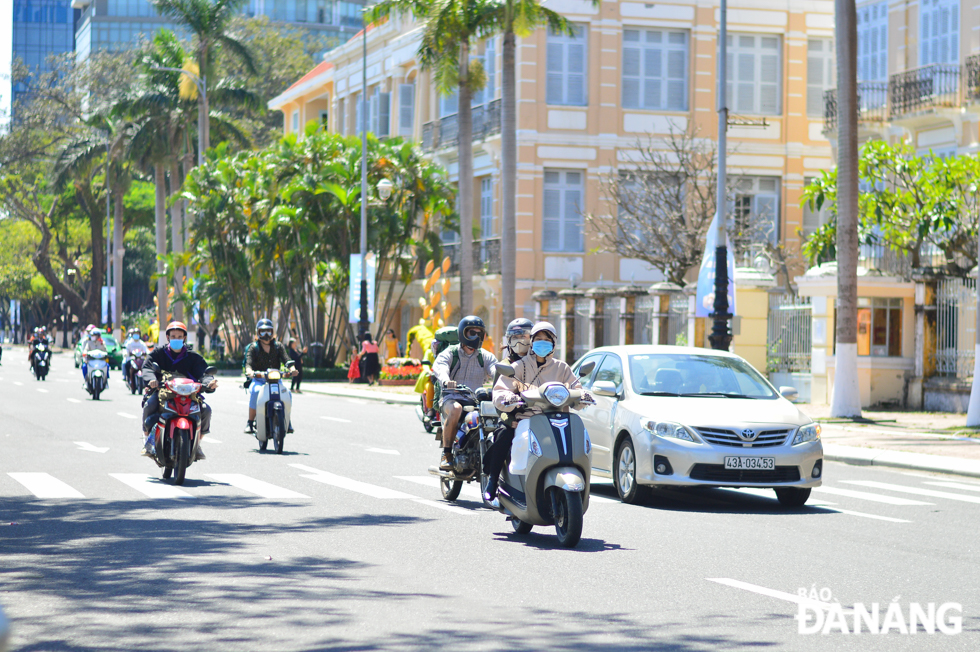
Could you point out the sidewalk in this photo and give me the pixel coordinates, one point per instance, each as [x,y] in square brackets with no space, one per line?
[403,395]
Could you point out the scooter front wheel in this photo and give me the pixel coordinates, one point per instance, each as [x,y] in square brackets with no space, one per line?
[183,450]
[567,509]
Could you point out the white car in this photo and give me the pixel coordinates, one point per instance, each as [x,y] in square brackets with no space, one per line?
[671,415]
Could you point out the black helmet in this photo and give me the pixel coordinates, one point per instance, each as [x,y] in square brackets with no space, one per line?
[265,324]
[470,322]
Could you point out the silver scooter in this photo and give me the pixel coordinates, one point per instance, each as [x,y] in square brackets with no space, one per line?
[554,487]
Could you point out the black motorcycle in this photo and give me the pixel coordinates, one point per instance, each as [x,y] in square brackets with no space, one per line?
[470,442]
[41,360]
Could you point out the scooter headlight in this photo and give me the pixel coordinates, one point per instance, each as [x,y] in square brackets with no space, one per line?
[556,394]
[533,446]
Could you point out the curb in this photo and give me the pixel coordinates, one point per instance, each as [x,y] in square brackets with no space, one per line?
[901,460]
[396,399]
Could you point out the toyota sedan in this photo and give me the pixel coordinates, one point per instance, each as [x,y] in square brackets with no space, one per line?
[670,415]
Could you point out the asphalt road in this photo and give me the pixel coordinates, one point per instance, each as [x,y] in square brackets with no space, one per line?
[344,543]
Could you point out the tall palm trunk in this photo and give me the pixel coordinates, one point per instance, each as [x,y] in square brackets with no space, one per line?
[846,400]
[465,148]
[117,263]
[508,154]
[177,238]
[159,178]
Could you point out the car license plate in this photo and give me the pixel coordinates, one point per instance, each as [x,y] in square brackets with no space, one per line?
[751,463]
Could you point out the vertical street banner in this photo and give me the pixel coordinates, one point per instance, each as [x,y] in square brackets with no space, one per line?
[107,293]
[705,301]
[354,302]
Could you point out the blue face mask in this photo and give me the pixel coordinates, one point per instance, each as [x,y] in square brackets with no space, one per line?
[542,348]
[176,345]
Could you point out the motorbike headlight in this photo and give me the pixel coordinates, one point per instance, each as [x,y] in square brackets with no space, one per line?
[556,394]
[533,446]
[670,430]
[809,432]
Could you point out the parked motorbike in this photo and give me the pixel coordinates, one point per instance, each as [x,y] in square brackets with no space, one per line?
[97,373]
[551,485]
[272,410]
[42,360]
[178,429]
[135,380]
[468,445]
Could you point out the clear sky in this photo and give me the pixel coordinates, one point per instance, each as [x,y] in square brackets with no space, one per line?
[6,46]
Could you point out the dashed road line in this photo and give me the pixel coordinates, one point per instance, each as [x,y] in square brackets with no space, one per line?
[257,487]
[863,495]
[44,485]
[150,486]
[914,490]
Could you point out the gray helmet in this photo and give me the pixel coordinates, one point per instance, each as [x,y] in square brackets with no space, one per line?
[265,324]
[469,322]
[516,328]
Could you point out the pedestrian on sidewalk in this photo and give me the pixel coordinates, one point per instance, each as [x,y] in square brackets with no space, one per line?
[370,365]
[297,356]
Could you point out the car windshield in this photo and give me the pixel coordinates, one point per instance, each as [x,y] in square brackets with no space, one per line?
[684,374]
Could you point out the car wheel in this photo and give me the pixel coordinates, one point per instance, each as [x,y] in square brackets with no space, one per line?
[624,473]
[792,497]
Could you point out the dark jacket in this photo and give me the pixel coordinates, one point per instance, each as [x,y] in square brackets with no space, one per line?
[186,363]
[259,360]
[297,356]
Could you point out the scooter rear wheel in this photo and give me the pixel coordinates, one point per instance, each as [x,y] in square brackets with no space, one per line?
[450,488]
[520,527]
[568,512]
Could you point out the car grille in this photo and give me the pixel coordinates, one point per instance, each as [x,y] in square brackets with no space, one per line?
[718,473]
[723,437]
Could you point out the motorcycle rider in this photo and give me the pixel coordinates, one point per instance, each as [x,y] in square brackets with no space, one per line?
[535,369]
[175,359]
[263,354]
[93,343]
[464,364]
[133,345]
[517,339]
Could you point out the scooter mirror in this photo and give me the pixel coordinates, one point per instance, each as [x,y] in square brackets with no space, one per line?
[505,369]
[586,369]
[290,364]
[426,363]
[209,371]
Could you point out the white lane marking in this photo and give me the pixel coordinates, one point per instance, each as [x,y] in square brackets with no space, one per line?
[150,486]
[126,415]
[85,446]
[383,451]
[771,495]
[470,489]
[58,380]
[337,419]
[772,593]
[208,439]
[956,485]
[863,515]
[42,390]
[373,490]
[44,485]
[73,400]
[18,383]
[242,402]
[914,490]
[823,504]
[878,498]
[257,487]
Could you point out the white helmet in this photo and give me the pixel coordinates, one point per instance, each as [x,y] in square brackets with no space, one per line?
[543,326]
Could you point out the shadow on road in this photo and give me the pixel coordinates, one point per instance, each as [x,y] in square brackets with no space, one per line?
[711,500]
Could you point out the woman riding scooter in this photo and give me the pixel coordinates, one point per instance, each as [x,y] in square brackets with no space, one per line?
[535,369]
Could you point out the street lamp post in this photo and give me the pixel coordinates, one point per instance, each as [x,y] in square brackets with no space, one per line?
[108,237]
[721,337]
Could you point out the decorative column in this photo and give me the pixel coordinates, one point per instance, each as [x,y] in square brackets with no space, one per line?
[544,299]
[567,327]
[664,294]
[628,312]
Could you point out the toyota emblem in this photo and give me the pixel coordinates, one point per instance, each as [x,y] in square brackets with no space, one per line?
[748,434]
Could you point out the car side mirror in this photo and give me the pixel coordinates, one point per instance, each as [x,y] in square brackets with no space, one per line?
[586,369]
[505,369]
[604,388]
[789,393]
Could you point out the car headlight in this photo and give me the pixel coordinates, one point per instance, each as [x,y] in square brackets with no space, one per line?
[809,432]
[669,429]
[556,394]
[533,446]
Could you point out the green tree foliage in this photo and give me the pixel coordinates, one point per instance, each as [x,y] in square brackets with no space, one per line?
[278,228]
[914,204]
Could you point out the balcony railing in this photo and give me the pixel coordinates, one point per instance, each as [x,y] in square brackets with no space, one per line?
[486,256]
[872,104]
[445,132]
[930,87]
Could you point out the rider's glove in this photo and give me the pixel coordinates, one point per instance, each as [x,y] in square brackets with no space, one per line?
[587,398]
[450,384]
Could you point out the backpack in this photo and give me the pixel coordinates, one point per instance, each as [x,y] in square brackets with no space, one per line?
[454,363]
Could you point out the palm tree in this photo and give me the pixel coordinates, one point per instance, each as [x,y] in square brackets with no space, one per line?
[449,29]
[846,400]
[518,18]
[210,20]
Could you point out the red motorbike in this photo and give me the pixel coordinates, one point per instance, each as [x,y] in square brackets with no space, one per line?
[178,429]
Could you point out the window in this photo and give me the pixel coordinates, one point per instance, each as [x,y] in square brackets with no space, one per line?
[873,42]
[489,61]
[754,74]
[406,109]
[879,327]
[813,219]
[939,31]
[324,118]
[611,371]
[380,112]
[566,68]
[448,105]
[486,207]
[655,70]
[562,219]
[587,380]
[755,211]
[341,118]
[821,75]
[295,121]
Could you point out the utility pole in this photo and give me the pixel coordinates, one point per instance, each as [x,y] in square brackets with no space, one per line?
[721,336]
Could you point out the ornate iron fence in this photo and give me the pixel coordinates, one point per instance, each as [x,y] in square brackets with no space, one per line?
[872,104]
[486,256]
[930,87]
[956,326]
[789,343]
[445,132]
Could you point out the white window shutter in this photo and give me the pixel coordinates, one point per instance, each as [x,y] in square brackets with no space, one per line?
[572,236]
[554,86]
[631,78]
[769,84]
[384,114]
[576,74]
[406,109]
[551,220]
[677,80]
[373,125]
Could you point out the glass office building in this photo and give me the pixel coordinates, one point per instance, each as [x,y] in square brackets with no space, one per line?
[118,24]
[41,28]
